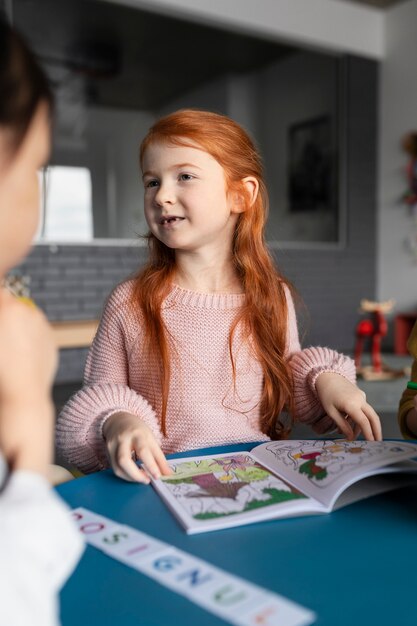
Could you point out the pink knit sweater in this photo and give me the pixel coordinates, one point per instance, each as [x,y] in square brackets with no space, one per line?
[204,407]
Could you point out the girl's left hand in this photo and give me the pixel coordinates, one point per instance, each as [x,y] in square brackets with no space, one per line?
[346,405]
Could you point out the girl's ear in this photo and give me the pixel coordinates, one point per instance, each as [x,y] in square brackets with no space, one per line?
[250,189]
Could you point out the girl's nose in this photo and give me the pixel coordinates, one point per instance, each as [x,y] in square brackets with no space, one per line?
[165,194]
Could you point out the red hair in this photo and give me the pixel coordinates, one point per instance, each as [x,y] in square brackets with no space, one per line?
[264,314]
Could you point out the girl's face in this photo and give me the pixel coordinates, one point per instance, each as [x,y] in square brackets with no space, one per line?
[19,188]
[187,206]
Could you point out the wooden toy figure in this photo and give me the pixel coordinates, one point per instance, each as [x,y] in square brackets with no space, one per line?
[374,328]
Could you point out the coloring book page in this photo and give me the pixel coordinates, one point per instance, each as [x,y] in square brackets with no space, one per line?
[226,485]
[322,468]
[280,479]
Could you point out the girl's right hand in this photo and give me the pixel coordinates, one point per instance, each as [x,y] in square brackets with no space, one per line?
[128,438]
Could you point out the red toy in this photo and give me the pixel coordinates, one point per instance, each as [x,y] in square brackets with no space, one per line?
[374,328]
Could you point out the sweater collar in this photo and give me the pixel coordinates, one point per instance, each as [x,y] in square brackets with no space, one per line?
[188,298]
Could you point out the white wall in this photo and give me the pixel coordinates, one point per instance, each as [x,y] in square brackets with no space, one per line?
[267,103]
[236,95]
[121,132]
[212,95]
[109,147]
[397,267]
[294,90]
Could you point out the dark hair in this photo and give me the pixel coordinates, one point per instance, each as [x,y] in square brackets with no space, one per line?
[23,84]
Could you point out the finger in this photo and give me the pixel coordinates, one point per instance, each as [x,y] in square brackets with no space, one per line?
[125,467]
[114,453]
[148,460]
[356,429]
[163,464]
[374,420]
[343,424]
[128,470]
[362,422]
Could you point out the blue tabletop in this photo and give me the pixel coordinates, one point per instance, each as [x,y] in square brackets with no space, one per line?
[355,566]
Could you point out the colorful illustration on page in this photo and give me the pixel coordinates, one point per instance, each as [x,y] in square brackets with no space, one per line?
[219,487]
[323,462]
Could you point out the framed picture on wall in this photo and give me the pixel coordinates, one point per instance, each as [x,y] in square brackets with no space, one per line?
[311,167]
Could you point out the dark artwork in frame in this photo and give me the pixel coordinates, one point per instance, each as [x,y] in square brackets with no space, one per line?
[311,167]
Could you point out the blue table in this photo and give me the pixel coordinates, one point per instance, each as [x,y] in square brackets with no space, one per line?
[356,566]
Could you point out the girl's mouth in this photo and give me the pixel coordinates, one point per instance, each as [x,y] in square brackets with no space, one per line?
[171,219]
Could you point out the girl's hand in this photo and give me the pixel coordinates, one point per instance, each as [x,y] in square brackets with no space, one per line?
[28,360]
[346,405]
[128,436]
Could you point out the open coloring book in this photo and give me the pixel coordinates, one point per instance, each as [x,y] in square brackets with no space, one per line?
[282,479]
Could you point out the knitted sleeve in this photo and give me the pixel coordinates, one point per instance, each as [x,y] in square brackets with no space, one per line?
[306,366]
[106,390]
[408,396]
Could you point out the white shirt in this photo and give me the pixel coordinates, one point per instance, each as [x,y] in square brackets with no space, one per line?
[39,548]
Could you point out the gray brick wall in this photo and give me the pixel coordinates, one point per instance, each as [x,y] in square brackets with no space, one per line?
[72,282]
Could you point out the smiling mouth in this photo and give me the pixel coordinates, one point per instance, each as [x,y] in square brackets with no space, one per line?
[170,220]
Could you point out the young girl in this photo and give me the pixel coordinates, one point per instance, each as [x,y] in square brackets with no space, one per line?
[39,545]
[202,348]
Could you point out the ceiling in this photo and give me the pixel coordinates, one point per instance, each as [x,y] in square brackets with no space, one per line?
[381,4]
[117,56]
[112,55]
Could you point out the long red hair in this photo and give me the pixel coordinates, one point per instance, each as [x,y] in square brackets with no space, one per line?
[264,314]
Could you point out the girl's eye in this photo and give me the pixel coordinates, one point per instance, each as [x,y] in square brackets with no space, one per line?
[151,183]
[186,177]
